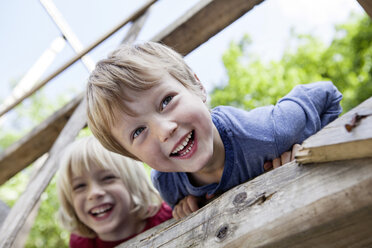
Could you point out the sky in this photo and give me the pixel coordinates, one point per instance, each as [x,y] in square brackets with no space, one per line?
[27,31]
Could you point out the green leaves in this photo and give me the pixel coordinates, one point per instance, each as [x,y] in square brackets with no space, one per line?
[347,62]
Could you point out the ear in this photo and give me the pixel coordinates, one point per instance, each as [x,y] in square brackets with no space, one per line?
[204,92]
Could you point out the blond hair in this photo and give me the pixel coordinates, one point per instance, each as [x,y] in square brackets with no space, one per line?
[137,67]
[87,152]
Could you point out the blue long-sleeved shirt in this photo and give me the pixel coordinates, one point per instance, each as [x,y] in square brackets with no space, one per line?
[252,137]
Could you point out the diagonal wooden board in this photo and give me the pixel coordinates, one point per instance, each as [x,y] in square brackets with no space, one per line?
[203,21]
[25,204]
[22,208]
[334,142]
[322,205]
[188,25]
[367,6]
[37,142]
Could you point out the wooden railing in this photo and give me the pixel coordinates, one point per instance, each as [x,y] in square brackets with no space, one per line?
[200,23]
[326,204]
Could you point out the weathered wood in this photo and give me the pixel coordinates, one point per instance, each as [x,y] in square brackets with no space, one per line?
[203,21]
[67,32]
[323,205]
[334,142]
[136,27]
[22,208]
[25,151]
[186,27]
[367,6]
[4,210]
[36,87]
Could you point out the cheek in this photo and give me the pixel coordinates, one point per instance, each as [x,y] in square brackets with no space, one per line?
[78,206]
[125,199]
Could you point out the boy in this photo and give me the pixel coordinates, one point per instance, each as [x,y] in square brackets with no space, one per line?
[146,103]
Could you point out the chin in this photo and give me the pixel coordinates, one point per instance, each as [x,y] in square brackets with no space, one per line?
[202,164]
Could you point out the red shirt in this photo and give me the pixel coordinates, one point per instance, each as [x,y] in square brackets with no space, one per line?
[164,213]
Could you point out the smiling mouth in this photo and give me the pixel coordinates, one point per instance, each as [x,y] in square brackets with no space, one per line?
[185,147]
[101,210]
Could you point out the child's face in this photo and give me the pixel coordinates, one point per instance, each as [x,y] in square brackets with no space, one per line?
[172,130]
[101,201]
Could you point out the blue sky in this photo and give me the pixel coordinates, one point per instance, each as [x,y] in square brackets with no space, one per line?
[27,30]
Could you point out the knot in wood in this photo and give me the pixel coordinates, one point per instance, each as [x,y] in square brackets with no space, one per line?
[221,233]
[240,198]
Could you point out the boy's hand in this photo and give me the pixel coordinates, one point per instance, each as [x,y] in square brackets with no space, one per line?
[186,206]
[283,159]
[190,204]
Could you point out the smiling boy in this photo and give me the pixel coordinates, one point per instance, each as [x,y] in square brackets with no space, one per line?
[146,103]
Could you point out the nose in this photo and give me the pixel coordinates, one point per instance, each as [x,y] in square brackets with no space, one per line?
[164,129]
[95,191]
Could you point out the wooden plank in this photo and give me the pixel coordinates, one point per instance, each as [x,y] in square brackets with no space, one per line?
[203,21]
[186,27]
[323,205]
[22,153]
[40,84]
[67,32]
[367,6]
[334,142]
[25,151]
[24,205]
[135,29]
[4,210]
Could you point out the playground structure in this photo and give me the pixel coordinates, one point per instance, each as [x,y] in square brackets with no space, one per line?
[326,200]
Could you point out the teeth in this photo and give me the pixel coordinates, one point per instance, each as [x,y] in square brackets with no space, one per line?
[188,149]
[100,210]
[183,144]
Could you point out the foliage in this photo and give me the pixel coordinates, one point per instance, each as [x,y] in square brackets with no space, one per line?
[347,61]
[45,232]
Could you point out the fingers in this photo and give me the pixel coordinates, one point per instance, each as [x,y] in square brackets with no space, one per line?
[192,203]
[276,163]
[295,149]
[208,197]
[268,165]
[185,207]
[285,157]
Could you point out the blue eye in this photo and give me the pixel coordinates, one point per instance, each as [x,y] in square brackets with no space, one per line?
[137,132]
[165,102]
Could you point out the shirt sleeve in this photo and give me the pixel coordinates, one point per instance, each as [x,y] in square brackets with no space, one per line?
[303,112]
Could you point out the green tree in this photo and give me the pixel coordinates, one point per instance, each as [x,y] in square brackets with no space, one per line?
[347,61]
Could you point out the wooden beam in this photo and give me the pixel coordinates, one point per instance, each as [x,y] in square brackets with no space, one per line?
[25,151]
[323,205]
[67,32]
[26,202]
[174,36]
[24,205]
[203,21]
[135,29]
[40,84]
[367,6]
[334,142]
[22,153]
